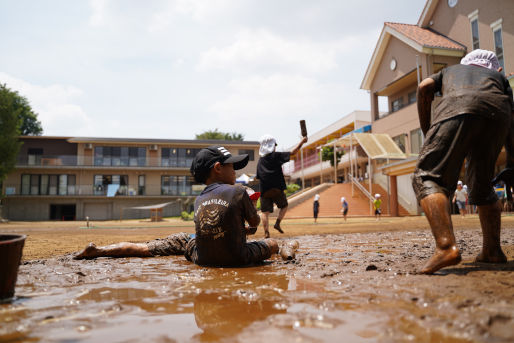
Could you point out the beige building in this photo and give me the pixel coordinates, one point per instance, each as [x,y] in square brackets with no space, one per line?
[307,167]
[68,178]
[407,53]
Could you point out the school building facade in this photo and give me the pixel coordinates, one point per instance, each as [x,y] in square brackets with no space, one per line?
[404,55]
[74,178]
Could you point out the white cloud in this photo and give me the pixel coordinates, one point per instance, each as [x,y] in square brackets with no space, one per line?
[55,105]
[198,10]
[253,49]
[99,16]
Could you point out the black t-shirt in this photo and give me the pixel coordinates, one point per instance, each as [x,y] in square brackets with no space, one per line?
[269,170]
[468,89]
[220,214]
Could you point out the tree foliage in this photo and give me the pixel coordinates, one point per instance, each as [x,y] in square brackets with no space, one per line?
[292,188]
[29,125]
[218,135]
[10,123]
[327,154]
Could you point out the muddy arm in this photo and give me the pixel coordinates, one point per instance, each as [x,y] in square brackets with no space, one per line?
[425,94]
[297,148]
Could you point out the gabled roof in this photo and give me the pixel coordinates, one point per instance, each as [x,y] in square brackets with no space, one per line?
[425,41]
[427,13]
[426,37]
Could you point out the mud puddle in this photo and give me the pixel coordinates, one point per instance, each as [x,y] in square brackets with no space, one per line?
[353,287]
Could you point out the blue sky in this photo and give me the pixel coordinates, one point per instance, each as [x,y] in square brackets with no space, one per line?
[173,69]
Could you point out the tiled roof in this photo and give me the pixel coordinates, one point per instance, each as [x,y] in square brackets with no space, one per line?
[425,37]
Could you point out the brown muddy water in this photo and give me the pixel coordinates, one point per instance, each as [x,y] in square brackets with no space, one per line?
[340,288]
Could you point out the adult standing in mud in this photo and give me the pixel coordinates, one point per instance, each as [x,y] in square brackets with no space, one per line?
[471,121]
[271,177]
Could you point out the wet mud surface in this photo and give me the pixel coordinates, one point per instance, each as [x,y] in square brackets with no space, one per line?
[356,287]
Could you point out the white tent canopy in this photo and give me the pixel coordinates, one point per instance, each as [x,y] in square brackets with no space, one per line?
[150,207]
[243,179]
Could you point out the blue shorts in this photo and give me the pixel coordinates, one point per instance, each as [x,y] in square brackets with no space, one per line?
[461,204]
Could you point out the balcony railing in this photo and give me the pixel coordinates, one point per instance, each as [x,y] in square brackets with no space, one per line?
[111,190]
[91,161]
[307,162]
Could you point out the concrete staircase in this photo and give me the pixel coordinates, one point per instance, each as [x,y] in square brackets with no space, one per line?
[330,202]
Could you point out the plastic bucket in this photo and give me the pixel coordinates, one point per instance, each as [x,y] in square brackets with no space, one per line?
[11,247]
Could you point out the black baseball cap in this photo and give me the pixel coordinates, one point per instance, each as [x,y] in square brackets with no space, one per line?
[206,158]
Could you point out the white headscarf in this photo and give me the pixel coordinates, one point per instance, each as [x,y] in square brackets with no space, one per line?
[268,144]
[316,197]
[481,58]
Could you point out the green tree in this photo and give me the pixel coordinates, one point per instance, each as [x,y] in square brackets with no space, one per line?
[292,188]
[29,125]
[327,154]
[10,123]
[218,135]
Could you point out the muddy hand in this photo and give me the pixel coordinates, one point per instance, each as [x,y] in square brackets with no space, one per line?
[507,176]
[288,250]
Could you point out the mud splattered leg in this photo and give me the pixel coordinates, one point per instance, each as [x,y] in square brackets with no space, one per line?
[490,220]
[436,207]
[124,249]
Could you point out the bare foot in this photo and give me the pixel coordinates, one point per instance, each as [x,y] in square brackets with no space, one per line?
[266,234]
[496,256]
[89,252]
[441,259]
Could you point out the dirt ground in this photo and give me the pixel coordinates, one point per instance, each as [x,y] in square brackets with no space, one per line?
[355,281]
[48,239]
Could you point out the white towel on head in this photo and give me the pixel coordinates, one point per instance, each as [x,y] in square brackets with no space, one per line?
[268,144]
[481,58]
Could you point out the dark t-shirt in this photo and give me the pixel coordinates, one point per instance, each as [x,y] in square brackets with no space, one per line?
[468,89]
[269,170]
[220,214]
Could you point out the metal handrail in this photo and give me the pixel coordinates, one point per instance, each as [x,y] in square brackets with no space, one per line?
[361,187]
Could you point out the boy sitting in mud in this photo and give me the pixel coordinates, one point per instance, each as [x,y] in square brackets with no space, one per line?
[220,213]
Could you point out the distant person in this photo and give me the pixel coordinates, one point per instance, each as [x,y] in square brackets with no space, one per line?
[471,121]
[377,204]
[460,198]
[316,207]
[271,177]
[344,207]
[220,213]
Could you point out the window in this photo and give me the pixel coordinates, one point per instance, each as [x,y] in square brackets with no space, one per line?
[52,184]
[63,184]
[475,39]
[498,42]
[168,185]
[190,155]
[396,104]
[169,157]
[416,141]
[250,153]
[34,156]
[178,185]
[400,141]
[45,184]
[141,185]
[411,97]
[120,156]
[25,184]
[178,157]
[110,185]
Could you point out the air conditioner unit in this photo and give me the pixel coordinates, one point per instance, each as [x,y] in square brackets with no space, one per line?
[88,146]
[153,147]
